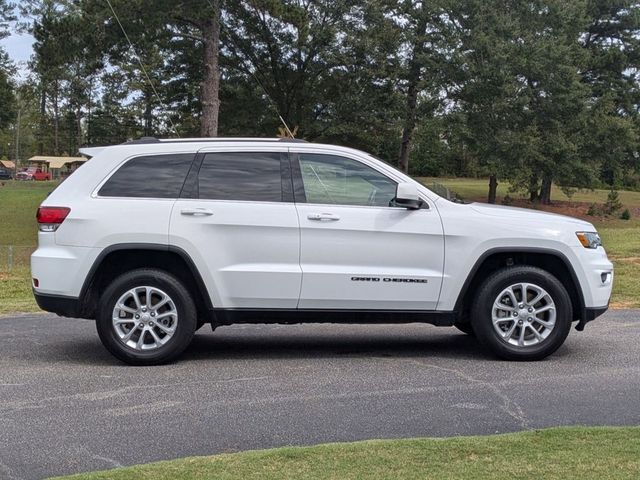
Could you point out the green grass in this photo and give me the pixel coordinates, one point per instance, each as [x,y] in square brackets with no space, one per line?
[553,454]
[18,204]
[18,228]
[477,189]
[15,291]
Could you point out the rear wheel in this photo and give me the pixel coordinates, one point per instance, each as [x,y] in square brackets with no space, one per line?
[522,313]
[146,317]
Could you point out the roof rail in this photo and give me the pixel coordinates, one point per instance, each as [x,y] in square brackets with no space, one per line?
[148,140]
[142,140]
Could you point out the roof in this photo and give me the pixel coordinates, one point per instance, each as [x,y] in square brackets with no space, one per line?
[147,140]
[8,164]
[56,162]
[151,141]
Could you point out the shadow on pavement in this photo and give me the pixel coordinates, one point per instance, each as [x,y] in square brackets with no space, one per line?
[283,344]
[261,344]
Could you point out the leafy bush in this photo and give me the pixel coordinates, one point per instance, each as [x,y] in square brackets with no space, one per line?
[613,203]
[626,214]
[507,200]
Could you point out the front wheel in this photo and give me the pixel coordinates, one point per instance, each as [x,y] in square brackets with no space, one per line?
[146,317]
[465,327]
[522,313]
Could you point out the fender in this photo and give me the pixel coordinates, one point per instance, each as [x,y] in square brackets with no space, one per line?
[516,250]
[148,246]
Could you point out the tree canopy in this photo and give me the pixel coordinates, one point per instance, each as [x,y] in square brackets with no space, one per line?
[531,92]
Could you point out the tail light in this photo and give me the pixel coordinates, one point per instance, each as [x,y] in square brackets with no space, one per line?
[50,218]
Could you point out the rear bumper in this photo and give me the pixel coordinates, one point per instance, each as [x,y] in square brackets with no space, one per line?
[63,306]
[60,269]
[589,314]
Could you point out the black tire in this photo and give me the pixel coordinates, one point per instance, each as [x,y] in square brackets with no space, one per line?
[492,287]
[465,327]
[184,305]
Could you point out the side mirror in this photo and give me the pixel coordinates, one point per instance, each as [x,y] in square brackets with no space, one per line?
[407,196]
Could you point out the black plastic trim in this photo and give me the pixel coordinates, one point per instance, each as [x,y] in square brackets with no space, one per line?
[190,185]
[296,178]
[286,178]
[589,314]
[228,316]
[60,305]
[516,250]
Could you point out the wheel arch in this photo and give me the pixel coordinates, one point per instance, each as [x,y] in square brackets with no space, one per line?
[553,261]
[120,258]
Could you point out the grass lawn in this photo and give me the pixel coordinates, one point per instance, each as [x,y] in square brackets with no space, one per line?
[18,204]
[477,189]
[553,454]
[18,228]
[19,201]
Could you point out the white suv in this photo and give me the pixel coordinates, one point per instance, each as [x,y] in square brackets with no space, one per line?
[155,238]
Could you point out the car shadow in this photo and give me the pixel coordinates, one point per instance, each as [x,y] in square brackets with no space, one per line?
[287,343]
[447,343]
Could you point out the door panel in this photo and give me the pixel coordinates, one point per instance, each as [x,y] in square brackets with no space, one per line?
[249,248]
[363,255]
[371,258]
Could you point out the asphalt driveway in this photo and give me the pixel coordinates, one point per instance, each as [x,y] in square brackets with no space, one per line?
[67,406]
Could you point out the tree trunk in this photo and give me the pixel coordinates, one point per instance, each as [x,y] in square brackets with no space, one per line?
[493,187]
[89,111]
[409,126]
[211,81]
[545,191]
[412,98]
[43,127]
[533,189]
[56,120]
[148,120]
[78,129]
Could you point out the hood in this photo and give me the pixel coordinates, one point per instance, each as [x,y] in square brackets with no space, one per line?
[527,214]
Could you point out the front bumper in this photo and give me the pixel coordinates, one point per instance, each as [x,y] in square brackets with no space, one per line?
[589,314]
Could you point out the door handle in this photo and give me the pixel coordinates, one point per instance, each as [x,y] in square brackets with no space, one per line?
[323,216]
[196,212]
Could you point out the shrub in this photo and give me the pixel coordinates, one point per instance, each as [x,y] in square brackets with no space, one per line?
[593,210]
[626,214]
[613,204]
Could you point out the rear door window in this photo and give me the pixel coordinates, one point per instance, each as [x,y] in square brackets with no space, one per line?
[248,176]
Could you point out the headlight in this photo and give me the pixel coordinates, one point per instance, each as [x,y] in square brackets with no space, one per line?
[589,239]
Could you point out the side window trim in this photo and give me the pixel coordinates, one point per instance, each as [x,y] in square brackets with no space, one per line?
[298,182]
[190,185]
[286,177]
[296,177]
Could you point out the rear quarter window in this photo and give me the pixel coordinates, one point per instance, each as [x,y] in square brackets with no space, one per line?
[151,176]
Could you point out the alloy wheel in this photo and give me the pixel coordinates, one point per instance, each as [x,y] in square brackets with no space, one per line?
[145,318]
[524,314]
